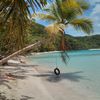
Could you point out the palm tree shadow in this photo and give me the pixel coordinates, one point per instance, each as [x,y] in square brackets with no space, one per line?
[11,74]
[72,76]
[26,97]
[5,83]
[23,97]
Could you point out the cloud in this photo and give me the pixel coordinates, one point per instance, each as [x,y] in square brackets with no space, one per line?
[96,10]
[93,2]
[98,25]
[95,16]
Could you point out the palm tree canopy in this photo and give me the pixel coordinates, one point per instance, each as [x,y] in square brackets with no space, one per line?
[15,18]
[68,12]
[63,13]
[83,24]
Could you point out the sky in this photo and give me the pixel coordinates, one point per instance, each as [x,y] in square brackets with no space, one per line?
[93,13]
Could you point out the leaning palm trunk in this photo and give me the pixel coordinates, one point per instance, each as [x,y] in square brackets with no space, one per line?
[4,60]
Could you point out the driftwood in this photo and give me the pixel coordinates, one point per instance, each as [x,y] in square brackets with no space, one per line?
[4,60]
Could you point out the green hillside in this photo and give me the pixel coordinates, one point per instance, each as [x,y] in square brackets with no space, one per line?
[74,43]
[86,42]
[38,33]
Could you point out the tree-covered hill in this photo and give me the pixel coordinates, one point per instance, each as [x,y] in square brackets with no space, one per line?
[74,43]
[86,42]
[38,33]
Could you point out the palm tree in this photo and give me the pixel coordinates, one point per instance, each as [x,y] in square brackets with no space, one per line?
[4,60]
[64,13]
[15,18]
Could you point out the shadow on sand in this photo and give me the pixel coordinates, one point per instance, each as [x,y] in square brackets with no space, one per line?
[5,83]
[13,73]
[8,73]
[16,71]
[23,97]
[72,76]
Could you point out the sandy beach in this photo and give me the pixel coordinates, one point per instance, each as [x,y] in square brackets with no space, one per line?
[33,82]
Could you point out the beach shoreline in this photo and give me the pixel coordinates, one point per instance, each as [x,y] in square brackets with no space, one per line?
[34,82]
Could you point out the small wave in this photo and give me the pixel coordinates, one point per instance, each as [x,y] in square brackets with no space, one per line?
[94,49]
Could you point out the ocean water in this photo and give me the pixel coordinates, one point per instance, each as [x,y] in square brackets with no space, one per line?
[84,64]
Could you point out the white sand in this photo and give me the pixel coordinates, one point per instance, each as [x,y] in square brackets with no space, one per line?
[39,83]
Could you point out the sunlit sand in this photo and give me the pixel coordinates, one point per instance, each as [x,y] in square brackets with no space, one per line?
[33,82]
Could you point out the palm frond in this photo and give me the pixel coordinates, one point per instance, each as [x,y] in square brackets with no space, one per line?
[83,4]
[42,16]
[85,25]
[69,14]
[70,9]
[72,4]
[58,5]
[54,11]
[23,6]
[55,28]
[15,16]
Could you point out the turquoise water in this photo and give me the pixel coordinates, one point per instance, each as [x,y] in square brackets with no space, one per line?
[87,62]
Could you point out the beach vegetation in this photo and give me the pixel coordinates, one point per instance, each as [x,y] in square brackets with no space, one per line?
[16,22]
[65,13]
